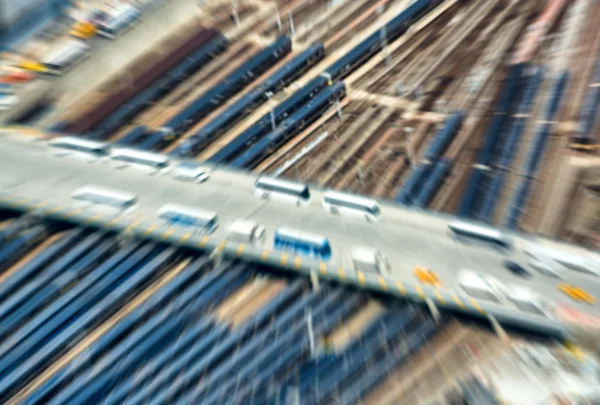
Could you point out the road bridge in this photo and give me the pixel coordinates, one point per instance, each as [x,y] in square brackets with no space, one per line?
[35,179]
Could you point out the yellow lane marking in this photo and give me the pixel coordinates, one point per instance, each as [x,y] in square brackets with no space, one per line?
[39,205]
[185,237]
[203,241]
[297,262]
[264,255]
[221,246]
[323,268]
[73,213]
[284,258]
[420,291]
[382,283]
[150,229]
[458,301]
[113,221]
[400,288]
[168,233]
[439,296]
[477,306]
[361,277]
[94,218]
[54,209]
[342,273]
[240,249]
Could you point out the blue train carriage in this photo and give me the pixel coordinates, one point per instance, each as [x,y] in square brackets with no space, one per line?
[302,243]
[229,86]
[263,126]
[248,103]
[291,126]
[373,44]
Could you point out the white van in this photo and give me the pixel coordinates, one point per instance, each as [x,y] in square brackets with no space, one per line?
[370,260]
[148,162]
[244,231]
[191,172]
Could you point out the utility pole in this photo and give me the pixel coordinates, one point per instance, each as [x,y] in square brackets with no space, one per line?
[236,16]
[291,24]
[383,37]
[361,175]
[279,26]
[311,336]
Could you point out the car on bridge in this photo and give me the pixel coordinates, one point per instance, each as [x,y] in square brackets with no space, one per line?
[517,269]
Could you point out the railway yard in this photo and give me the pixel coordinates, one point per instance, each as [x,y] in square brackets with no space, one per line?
[484,109]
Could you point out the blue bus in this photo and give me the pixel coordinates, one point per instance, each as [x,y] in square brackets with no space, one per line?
[180,215]
[302,243]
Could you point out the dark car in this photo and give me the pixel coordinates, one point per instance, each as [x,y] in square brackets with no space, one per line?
[516,268]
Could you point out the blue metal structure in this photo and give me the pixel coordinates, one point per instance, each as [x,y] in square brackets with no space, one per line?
[511,143]
[251,100]
[11,250]
[536,150]
[48,291]
[470,202]
[195,295]
[433,183]
[40,346]
[438,145]
[296,122]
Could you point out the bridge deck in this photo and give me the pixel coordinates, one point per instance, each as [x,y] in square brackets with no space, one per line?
[40,181]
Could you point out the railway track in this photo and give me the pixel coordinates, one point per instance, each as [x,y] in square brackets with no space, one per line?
[352,153]
[340,139]
[452,355]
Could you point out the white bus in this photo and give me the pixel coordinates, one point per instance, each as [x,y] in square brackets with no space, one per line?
[116,201]
[180,215]
[341,203]
[481,232]
[69,145]
[65,55]
[270,188]
[154,162]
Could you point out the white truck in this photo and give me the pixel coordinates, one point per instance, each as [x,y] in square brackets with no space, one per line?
[245,231]
[370,260]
